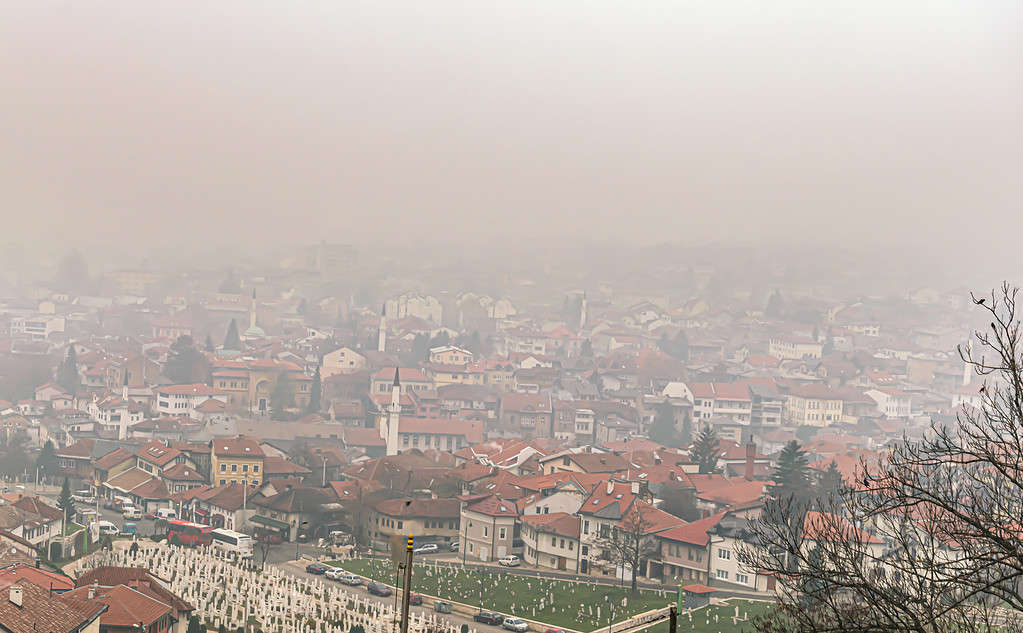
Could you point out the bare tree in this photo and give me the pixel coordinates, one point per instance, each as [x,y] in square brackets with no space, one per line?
[629,544]
[931,538]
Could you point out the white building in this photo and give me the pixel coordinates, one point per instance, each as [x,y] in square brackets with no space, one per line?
[38,327]
[414,304]
[177,400]
[891,402]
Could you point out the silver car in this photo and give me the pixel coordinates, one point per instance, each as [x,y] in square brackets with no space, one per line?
[516,624]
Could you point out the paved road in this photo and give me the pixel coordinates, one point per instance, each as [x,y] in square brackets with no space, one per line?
[297,568]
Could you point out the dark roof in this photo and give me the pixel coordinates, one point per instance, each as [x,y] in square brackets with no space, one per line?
[57,613]
[296,500]
[429,508]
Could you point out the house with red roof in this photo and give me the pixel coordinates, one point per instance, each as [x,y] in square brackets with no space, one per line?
[488,526]
[185,399]
[411,379]
[683,551]
[526,415]
[432,520]
[126,609]
[551,541]
[29,608]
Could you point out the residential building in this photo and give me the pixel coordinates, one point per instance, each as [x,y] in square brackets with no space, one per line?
[794,348]
[552,541]
[431,520]
[450,355]
[570,462]
[24,606]
[488,527]
[526,415]
[185,399]
[344,360]
[892,403]
[813,405]
[238,460]
[684,551]
[411,380]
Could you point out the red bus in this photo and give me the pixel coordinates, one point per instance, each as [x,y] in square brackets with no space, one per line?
[188,533]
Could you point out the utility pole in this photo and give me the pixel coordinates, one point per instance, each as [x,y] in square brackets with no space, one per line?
[673,618]
[407,593]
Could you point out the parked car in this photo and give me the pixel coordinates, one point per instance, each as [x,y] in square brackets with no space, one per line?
[131,512]
[429,548]
[515,624]
[442,606]
[166,513]
[106,528]
[509,561]
[378,589]
[351,579]
[415,599]
[84,496]
[129,529]
[317,568]
[554,630]
[454,546]
[334,573]
[489,617]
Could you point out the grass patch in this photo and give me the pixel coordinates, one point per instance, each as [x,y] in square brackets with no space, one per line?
[573,605]
[71,527]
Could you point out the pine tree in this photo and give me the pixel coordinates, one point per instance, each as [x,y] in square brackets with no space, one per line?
[687,431]
[185,364]
[67,372]
[705,451]
[663,429]
[194,625]
[775,305]
[586,349]
[209,343]
[315,392]
[64,500]
[282,397]
[47,460]
[232,341]
[792,475]
[831,482]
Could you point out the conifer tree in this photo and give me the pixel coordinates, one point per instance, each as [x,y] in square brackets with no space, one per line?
[315,392]
[792,475]
[706,451]
[67,372]
[232,341]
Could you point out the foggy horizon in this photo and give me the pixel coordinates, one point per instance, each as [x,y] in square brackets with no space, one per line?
[887,127]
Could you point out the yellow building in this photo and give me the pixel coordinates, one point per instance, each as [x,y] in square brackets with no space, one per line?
[456,375]
[813,405]
[238,460]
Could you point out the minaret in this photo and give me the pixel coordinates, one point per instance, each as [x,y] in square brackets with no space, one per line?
[392,416]
[382,333]
[252,312]
[582,312]
[122,426]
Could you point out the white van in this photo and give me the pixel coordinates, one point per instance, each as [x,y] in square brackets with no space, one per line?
[106,528]
[166,513]
[133,513]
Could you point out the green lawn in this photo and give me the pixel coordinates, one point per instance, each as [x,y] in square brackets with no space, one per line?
[71,527]
[572,605]
[703,620]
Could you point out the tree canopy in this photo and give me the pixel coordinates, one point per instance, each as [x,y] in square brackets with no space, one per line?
[791,476]
[705,451]
[315,391]
[185,363]
[67,372]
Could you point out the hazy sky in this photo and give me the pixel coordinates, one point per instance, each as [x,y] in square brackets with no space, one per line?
[259,122]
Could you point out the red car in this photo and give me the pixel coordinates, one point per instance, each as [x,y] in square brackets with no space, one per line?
[415,599]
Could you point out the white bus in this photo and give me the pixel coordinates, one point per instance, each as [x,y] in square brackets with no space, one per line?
[233,542]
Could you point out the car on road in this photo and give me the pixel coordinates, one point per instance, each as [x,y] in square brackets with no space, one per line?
[442,606]
[84,496]
[415,599]
[489,617]
[335,573]
[515,624]
[131,512]
[509,561]
[129,529]
[317,568]
[106,528]
[351,579]
[429,548]
[454,546]
[378,589]
[554,630]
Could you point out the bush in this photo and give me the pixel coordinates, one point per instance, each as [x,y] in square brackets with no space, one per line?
[357,628]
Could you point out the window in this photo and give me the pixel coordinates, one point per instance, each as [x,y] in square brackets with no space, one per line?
[223,468]
[586,527]
[502,534]
[223,481]
[570,546]
[725,554]
[245,468]
[585,550]
[722,574]
[554,541]
[742,578]
[234,468]
[255,468]
[486,530]
[690,553]
[400,523]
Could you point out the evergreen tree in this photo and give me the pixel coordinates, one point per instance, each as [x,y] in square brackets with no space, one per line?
[47,460]
[186,364]
[209,343]
[14,458]
[232,341]
[831,482]
[705,451]
[315,392]
[194,625]
[67,372]
[476,344]
[282,397]
[586,349]
[64,500]
[681,345]
[357,628]
[420,348]
[663,429]
[687,431]
[792,474]
[775,305]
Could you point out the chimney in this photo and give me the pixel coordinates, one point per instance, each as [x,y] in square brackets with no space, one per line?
[16,595]
[635,487]
[751,451]
[92,589]
[610,486]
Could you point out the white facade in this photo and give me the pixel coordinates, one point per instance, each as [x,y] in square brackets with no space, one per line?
[893,404]
[416,305]
[341,361]
[37,327]
[174,401]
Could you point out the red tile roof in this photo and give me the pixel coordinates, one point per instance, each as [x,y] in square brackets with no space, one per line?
[157,453]
[57,613]
[427,508]
[820,526]
[405,374]
[362,436]
[694,533]
[38,577]
[126,607]
[601,499]
[494,506]
[560,523]
[237,447]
